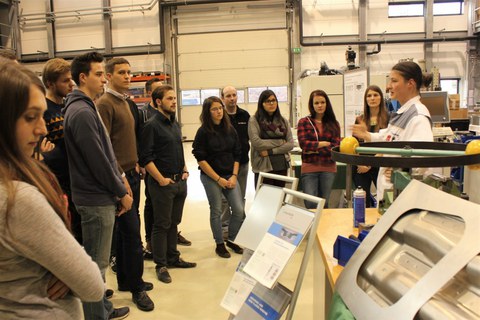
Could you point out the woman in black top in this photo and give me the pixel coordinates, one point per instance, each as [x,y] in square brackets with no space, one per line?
[217,150]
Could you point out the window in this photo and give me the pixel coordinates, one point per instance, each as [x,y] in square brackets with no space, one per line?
[405,9]
[254,94]
[451,85]
[417,8]
[449,7]
[205,93]
[280,92]
[191,97]
[240,96]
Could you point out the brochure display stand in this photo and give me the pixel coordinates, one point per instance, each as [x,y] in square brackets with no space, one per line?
[254,292]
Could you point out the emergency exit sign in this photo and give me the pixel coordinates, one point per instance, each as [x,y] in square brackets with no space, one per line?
[297,50]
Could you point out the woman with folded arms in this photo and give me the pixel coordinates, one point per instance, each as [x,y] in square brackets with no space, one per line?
[317,134]
[45,273]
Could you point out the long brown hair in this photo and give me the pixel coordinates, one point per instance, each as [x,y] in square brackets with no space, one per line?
[382,117]
[329,120]
[206,117]
[15,83]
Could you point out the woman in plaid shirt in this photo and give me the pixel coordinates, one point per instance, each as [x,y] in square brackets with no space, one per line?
[317,134]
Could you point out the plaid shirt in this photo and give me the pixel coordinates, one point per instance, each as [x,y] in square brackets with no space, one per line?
[309,142]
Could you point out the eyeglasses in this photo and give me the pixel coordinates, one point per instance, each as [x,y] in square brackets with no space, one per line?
[215,109]
[270,101]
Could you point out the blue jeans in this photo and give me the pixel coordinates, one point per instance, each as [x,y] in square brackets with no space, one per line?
[97,229]
[318,184]
[235,201]
[242,182]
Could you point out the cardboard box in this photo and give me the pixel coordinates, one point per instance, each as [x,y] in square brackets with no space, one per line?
[461,113]
[453,101]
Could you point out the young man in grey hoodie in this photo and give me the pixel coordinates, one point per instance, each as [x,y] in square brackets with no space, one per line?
[96,182]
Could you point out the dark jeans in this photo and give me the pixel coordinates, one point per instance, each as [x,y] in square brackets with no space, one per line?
[147,212]
[129,244]
[168,202]
[365,180]
[272,182]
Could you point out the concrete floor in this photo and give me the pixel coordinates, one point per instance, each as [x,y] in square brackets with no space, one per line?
[197,293]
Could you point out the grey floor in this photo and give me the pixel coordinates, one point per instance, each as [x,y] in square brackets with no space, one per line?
[197,293]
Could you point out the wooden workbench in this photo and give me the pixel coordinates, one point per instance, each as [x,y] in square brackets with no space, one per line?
[333,222]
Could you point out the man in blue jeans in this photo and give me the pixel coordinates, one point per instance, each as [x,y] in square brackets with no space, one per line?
[239,119]
[97,185]
[119,120]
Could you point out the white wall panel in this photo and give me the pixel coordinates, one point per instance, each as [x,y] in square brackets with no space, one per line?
[242,59]
[79,33]
[379,22]
[450,23]
[262,58]
[147,63]
[228,41]
[330,17]
[125,26]
[232,16]
[33,33]
[258,77]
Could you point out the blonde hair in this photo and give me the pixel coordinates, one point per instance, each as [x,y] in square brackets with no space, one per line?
[53,69]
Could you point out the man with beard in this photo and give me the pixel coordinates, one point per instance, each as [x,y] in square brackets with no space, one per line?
[57,78]
[163,158]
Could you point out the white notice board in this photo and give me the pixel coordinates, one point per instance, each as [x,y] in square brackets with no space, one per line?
[354,84]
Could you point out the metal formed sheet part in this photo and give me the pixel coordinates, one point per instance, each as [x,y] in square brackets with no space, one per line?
[421,260]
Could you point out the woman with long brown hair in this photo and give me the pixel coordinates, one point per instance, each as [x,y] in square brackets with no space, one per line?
[317,134]
[375,117]
[45,272]
[217,150]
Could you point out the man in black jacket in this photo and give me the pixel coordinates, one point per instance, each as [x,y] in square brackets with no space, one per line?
[239,119]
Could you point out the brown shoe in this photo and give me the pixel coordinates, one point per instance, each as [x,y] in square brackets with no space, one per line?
[182,241]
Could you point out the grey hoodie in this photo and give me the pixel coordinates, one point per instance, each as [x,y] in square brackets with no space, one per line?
[94,175]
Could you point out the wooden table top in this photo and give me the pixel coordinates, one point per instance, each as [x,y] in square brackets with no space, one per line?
[334,222]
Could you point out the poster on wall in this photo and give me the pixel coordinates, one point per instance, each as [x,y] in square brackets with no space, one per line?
[354,84]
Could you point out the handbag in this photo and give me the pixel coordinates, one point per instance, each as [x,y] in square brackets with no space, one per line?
[279,162]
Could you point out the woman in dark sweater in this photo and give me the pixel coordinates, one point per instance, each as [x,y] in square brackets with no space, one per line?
[317,134]
[217,150]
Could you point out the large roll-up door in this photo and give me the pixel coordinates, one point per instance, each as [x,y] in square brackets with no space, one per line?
[241,44]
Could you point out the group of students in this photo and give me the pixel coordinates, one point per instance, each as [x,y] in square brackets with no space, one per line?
[88,180]
[45,271]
